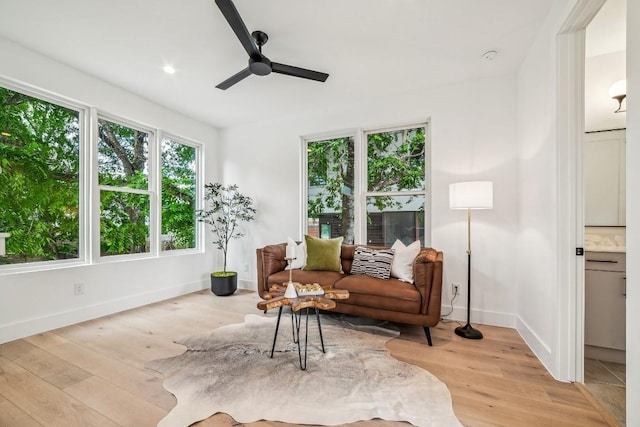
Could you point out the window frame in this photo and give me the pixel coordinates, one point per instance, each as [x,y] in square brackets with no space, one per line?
[151,185]
[83,185]
[356,135]
[361,191]
[199,176]
[426,192]
[89,188]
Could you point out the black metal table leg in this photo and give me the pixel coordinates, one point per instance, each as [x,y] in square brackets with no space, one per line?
[275,336]
[306,340]
[320,328]
[293,328]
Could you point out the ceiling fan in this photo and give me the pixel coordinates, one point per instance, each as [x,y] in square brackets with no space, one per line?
[252,43]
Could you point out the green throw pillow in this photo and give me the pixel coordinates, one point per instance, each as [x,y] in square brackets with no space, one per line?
[323,254]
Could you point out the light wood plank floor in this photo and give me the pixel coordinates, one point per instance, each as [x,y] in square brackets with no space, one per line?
[92,374]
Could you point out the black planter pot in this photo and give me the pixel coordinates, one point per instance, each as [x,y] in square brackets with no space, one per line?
[224,285]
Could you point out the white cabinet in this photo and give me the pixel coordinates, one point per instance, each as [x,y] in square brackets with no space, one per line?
[605,300]
[604,178]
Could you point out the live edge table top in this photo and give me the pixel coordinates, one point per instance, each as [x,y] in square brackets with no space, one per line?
[275,298]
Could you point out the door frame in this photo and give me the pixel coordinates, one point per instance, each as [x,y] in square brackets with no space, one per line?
[570,59]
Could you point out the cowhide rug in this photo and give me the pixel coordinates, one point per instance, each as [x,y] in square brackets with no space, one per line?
[229,370]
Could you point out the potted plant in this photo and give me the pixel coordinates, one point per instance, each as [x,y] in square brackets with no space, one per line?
[226,209]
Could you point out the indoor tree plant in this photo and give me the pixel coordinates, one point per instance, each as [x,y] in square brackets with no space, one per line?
[226,209]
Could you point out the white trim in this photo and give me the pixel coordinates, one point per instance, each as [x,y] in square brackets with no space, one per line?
[570,58]
[155,204]
[360,176]
[89,188]
[426,124]
[304,192]
[83,212]
[95,190]
[199,194]
[125,190]
[482,317]
[539,348]
[304,169]
[41,94]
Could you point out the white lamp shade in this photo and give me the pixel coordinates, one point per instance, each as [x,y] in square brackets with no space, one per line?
[471,195]
[619,88]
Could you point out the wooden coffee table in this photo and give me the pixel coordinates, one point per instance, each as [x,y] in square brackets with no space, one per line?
[275,299]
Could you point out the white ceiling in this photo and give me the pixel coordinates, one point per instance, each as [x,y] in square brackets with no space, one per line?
[370,48]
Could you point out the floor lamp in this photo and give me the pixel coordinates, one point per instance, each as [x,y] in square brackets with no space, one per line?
[470,195]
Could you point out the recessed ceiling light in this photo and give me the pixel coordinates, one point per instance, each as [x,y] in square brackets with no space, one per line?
[489,55]
[169,69]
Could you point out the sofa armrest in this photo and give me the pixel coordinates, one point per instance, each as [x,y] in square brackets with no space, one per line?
[427,273]
[270,260]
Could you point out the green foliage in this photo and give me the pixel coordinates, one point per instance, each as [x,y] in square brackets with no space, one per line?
[122,162]
[329,164]
[39,187]
[395,162]
[178,194]
[40,183]
[124,223]
[227,208]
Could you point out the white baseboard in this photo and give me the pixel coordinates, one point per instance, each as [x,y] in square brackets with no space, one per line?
[493,318]
[46,323]
[539,348]
[247,284]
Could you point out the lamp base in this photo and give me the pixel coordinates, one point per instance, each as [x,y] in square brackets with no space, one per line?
[467,331]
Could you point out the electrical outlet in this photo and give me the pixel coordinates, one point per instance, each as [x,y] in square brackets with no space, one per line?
[246,267]
[455,289]
[78,288]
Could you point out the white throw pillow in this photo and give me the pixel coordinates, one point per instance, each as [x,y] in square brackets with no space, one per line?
[402,266]
[301,254]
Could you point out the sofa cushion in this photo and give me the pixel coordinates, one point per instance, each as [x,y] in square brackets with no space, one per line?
[323,254]
[389,294]
[402,266]
[374,263]
[324,278]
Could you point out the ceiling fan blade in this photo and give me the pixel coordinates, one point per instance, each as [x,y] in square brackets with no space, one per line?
[234,79]
[237,25]
[290,70]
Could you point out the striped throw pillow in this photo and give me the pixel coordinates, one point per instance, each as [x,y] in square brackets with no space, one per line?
[374,263]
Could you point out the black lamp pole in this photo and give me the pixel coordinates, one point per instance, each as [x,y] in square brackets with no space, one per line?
[468,331]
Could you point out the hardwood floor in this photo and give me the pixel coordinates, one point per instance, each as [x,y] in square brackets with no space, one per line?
[92,374]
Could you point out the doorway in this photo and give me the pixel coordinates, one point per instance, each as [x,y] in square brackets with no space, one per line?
[604,163]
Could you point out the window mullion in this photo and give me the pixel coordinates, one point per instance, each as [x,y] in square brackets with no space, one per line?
[94,242]
[155,183]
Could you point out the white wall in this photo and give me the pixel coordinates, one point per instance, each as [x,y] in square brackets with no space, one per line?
[537,259]
[32,302]
[473,137]
[633,213]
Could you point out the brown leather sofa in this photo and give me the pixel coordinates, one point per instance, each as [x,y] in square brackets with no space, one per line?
[392,299]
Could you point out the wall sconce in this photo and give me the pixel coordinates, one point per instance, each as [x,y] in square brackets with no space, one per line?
[618,91]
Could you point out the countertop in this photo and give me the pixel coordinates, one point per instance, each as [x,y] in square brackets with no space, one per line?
[605,239]
[621,249]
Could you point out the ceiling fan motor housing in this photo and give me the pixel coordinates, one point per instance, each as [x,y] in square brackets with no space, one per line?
[260,66]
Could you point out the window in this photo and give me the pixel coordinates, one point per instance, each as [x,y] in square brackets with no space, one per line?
[396,186]
[39,179]
[178,195]
[330,185]
[125,197]
[381,201]
[146,186]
